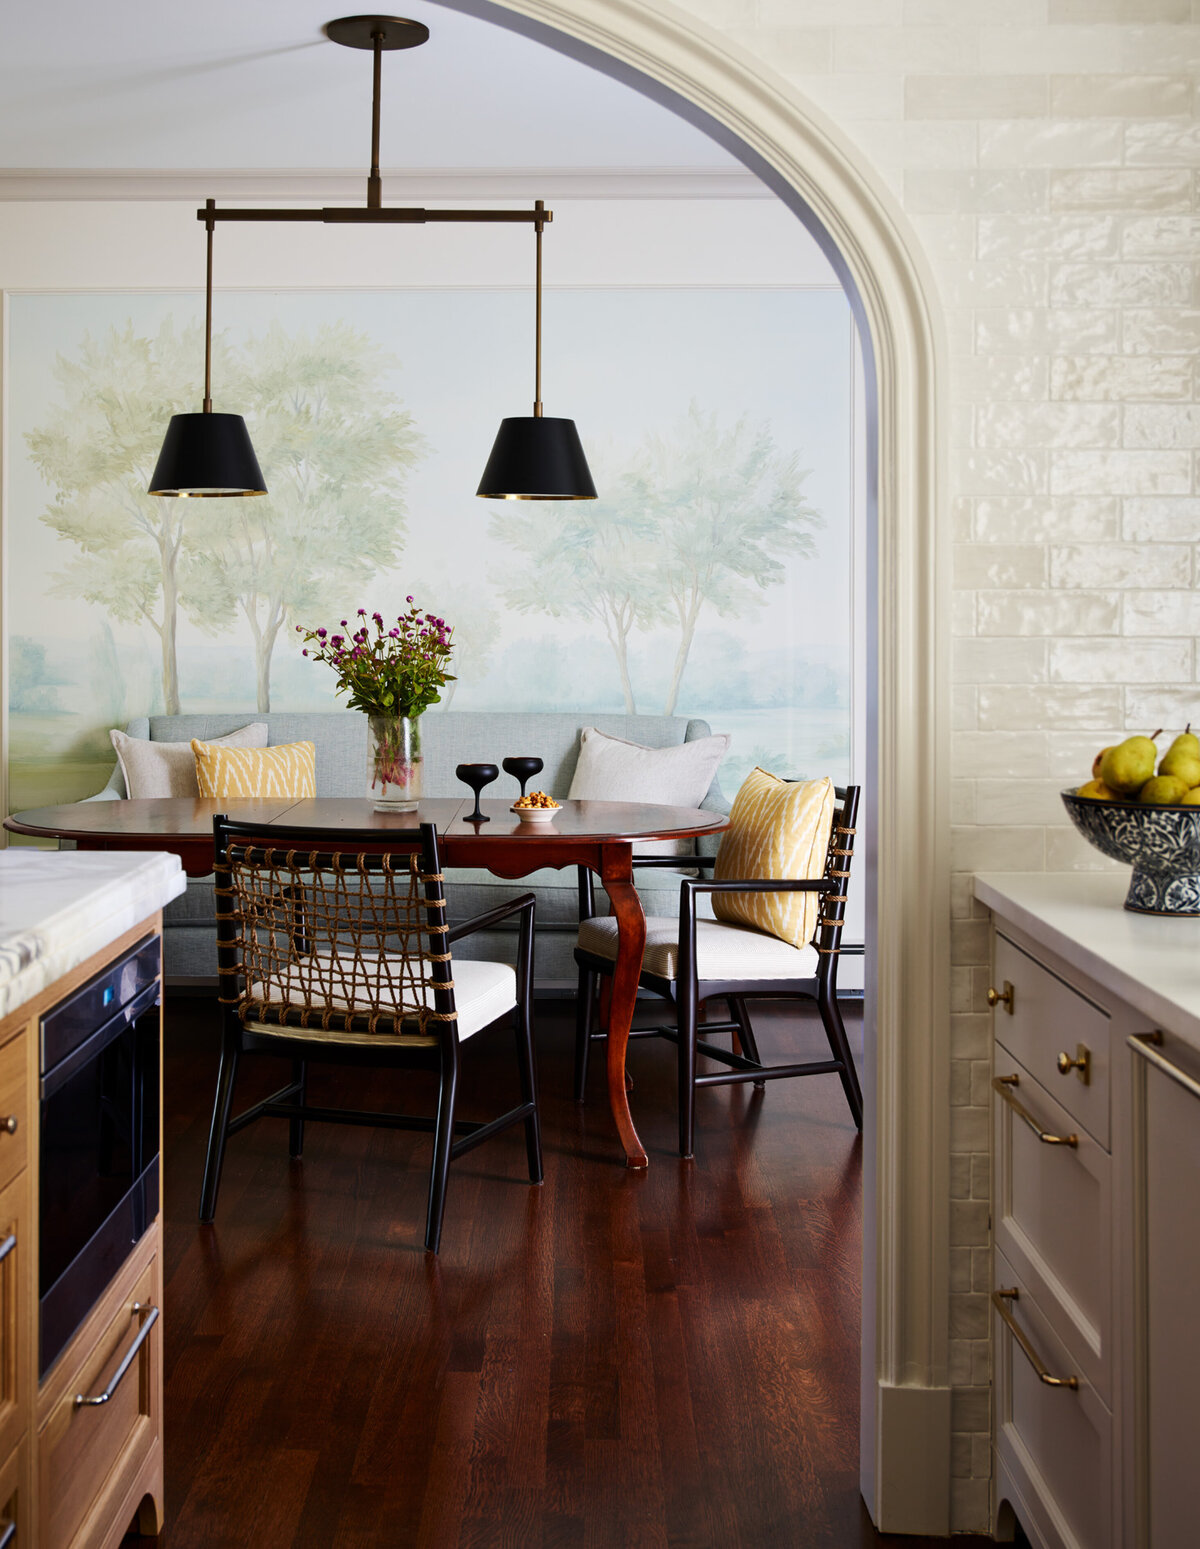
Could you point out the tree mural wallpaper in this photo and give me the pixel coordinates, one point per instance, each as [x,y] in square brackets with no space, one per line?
[713,577]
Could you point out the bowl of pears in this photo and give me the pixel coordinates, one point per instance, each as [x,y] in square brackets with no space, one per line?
[1145,811]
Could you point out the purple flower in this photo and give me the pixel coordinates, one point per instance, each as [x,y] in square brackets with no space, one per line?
[408,599]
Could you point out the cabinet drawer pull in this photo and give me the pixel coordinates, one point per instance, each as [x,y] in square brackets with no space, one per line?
[998,1299]
[82,1400]
[8,1531]
[6,1247]
[9,1126]
[1081,1064]
[1004,1085]
[1004,997]
[1147,1045]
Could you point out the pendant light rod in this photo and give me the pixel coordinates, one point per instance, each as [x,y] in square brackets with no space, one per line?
[391,215]
[537,326]
[209,207]
[374,181]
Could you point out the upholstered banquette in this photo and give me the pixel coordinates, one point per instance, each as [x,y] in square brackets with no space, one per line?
[449,738]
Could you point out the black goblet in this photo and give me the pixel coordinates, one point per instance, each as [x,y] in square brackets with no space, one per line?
[477,776]
[523,769]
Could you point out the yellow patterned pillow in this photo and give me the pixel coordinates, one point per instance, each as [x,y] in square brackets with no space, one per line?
[288,771]
[780,829]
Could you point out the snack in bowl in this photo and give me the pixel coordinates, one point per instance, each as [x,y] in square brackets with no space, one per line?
[536,807]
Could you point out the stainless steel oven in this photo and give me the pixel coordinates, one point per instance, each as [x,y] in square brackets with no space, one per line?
[98,1162]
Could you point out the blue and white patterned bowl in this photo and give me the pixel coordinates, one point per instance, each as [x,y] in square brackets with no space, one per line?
[1162,844]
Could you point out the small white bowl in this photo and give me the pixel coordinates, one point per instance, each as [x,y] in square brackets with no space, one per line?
[536,815]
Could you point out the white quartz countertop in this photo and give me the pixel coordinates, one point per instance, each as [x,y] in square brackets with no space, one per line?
[1150,962]
[58,907]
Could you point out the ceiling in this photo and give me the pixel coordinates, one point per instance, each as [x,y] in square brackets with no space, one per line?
[159,85]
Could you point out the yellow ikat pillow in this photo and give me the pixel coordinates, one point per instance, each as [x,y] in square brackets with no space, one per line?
[288,771]
[780,828]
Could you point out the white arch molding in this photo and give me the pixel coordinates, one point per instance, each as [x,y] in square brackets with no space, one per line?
[668,54]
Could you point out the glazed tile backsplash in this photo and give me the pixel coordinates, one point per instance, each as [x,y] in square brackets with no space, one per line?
[1046,154]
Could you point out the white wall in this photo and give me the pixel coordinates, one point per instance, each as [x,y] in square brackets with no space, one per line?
[1046,153]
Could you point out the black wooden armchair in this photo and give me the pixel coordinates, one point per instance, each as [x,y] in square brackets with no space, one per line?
[690,960]
[328,954]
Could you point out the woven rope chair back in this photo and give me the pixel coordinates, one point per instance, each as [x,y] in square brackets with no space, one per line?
[838,855]
[340,941]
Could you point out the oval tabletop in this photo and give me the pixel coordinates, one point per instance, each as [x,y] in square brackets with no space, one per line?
[186,817]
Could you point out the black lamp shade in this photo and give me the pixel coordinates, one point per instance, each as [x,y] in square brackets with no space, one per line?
[207,455]
[534,458]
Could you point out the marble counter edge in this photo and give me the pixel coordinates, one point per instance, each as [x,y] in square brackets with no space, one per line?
[1176,1008]
[34,956]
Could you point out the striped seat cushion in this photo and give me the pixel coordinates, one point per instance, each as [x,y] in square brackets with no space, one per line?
[722,951]
[288,771]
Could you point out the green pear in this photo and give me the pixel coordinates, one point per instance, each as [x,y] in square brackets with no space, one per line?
[1096,762]
[1187,742]
[1163,791]
[1128,766]
[1183,765]
[1191,798]
[1096,790]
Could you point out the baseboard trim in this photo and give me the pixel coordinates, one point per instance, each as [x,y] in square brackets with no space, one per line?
[912,1462]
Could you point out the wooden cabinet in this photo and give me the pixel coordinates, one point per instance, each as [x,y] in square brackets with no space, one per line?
[1096,1230]
[72,1475]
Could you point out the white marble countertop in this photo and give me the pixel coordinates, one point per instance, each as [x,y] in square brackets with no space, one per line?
[58,907]
[1150,962]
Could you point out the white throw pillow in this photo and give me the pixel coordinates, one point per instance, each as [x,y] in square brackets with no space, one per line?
[611,769]
[154,769]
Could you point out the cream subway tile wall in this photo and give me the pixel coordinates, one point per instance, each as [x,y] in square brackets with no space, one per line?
[1046,155]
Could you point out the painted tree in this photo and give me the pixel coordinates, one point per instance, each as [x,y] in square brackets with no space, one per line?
[472,612]
[335,452]
[590,559]
[97,450]
[726,508]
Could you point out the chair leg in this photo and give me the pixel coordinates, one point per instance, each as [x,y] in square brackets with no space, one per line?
[685,1021]
[741,1015]
[219,1129]
[839,1044]
[585,1005]
[443,1137]
[296,1126]
[528,1071]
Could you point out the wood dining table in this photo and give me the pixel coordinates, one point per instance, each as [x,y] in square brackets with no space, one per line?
[600,835]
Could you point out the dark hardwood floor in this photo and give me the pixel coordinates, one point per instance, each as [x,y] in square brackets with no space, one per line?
[613,1360]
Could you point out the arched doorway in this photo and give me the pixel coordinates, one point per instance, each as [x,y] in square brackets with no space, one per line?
[658,50]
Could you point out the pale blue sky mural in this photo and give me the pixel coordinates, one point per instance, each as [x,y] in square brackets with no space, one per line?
[713,577]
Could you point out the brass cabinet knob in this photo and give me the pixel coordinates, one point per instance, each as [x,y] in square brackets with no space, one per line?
[1081,1064]
[1002,997]
[9,1125]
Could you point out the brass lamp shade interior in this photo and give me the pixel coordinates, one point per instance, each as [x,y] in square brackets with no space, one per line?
[536,458]
[207,455]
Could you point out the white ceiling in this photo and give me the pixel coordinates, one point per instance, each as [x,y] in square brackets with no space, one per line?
[144,85]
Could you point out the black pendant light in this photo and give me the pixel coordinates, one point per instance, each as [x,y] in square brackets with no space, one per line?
[533,457]
[207,454]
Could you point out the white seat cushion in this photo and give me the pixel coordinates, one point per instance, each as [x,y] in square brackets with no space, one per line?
[722,951]
[482,992]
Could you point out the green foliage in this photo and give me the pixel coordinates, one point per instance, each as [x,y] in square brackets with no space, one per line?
[700,517]
[394,671]
[335,452]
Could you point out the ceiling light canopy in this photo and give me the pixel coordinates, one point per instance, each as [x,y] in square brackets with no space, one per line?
[533,457]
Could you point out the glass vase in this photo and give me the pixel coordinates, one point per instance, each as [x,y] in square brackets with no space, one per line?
[394,762]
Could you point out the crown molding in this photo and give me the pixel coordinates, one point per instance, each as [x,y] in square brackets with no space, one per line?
[400,185]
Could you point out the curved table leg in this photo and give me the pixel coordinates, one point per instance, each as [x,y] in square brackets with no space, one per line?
[617,876]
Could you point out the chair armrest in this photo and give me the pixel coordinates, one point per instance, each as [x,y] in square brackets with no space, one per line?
[490,917]
[748,885]
[672,862]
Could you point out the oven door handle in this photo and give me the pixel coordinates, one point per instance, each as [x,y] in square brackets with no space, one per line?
[85,1401]
[105,1034]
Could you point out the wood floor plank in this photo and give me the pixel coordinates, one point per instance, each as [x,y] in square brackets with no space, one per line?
[618,1360]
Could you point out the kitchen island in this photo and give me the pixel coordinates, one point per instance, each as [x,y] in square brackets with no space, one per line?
[1095,1211]
[80,1272]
